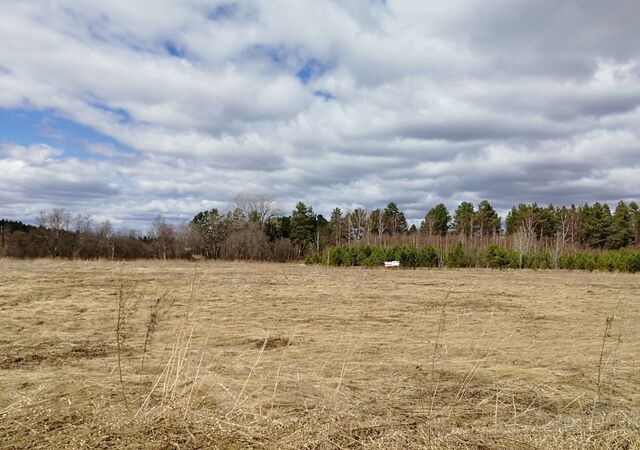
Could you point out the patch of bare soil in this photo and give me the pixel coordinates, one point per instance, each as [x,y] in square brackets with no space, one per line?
[28,356]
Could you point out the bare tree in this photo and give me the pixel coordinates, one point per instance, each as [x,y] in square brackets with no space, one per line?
[357,221]
[54,224]
[105,240]
[189,242]
[163,234]
[523,240]
[257,208]
[563,226]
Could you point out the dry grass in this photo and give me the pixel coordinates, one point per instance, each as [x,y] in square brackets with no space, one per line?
[286,356]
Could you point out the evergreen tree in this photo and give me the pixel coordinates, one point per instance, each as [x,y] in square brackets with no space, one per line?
[336,215]
[621,232]
[437,221]
[463,219]
[546,219]
[596,224]
[532,219]
[336,225]
[376,221]
[394,220]
[487,221]
[212,228]
[278,228]
[302,226]
[635,221]
[322,229]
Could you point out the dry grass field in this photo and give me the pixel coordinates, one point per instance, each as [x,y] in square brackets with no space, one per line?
[181,355]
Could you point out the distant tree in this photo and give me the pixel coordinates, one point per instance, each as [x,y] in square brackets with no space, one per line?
[163,236]
[257,208]
[336,215]
[394,220]
[189,242]
[236,219]
[537,221]
[54,229]
[546,222]
[486,221]
[336,226]
[278,228]
[437,221]
[376,222]
[211,225]
[463,219]
[596,224]
[357,223]
[635,221]
[105,242]
[621,232]
[84,245]
[302,226]
[572,222]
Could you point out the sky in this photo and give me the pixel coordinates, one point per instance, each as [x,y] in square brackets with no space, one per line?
[125,110]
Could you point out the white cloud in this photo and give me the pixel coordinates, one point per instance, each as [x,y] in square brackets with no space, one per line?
[515,101]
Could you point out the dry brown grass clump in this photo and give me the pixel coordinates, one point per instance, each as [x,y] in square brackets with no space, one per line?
[228,355]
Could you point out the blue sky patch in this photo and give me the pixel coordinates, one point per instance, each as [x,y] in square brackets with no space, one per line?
[29,127]
[122,115]
[312,68]
[173,49]
[327,96]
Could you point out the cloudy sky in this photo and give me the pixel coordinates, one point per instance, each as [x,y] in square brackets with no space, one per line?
[128,109]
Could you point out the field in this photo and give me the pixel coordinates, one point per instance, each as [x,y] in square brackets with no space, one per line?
[182,355]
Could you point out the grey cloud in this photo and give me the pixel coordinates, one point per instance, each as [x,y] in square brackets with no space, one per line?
[510,101]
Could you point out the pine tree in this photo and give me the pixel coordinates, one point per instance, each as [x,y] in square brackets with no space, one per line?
[463,219]
[635,221]
[596,224]
[621,231]
[394,220]
[437,221]
[302,226]
[487,221]
[336,225]
[212,228]
[376,220]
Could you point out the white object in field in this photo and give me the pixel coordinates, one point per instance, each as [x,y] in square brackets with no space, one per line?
[392,263]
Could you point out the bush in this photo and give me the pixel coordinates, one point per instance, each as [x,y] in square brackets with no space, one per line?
[634,262]
[427,257]
[458,257]
[494,256]
[377,257]
[407,255]
[541,260]
[313,258]
[339,256]
[498,257]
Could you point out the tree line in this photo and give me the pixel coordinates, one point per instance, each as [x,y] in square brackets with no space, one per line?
[254,229]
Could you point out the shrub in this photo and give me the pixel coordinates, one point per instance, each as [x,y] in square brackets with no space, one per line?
[338,256]
[498,257]
[494,256]
[458,257]
[313,258]
[427,257]
[377,256]
[540,260]
[633,263]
